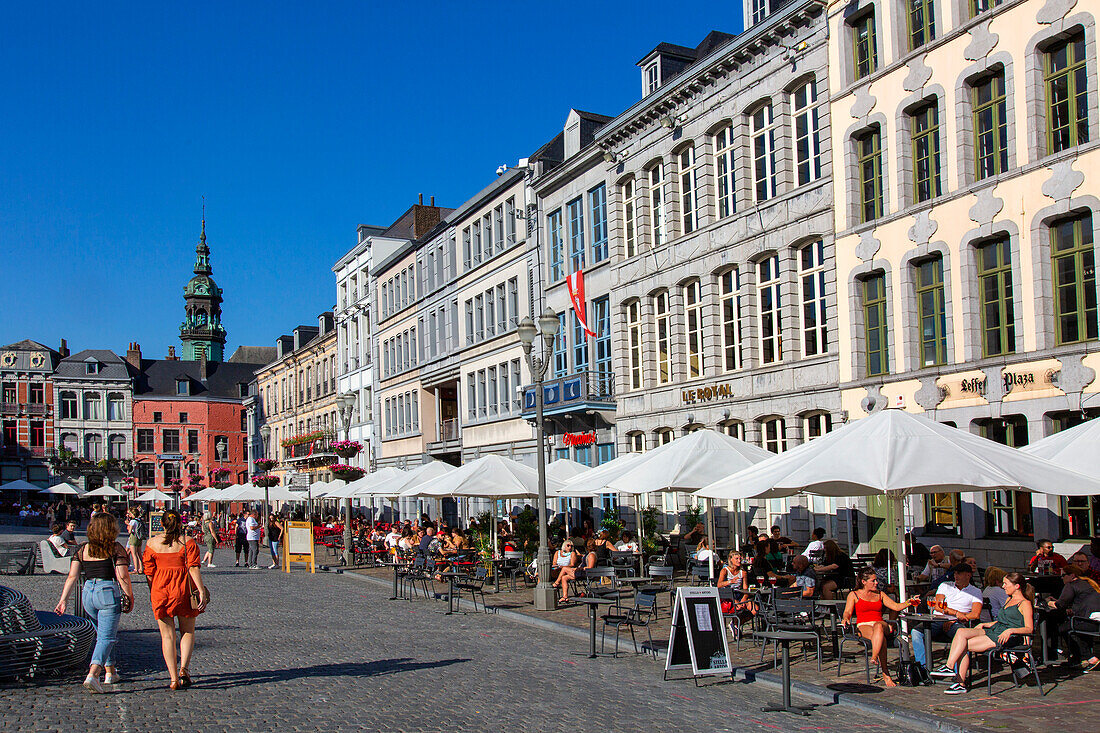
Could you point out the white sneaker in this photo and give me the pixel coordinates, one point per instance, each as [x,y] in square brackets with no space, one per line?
[271,566]
[93,685]
[211,565]
[109,679]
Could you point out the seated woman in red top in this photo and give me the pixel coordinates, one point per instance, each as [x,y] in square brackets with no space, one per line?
[866,603]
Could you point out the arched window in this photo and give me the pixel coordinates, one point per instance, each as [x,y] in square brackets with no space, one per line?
[663,326]
[657,204]
[816,424]
[636,442]
[693,328]
[724,172]
[762,124]
[116,447]
[68,406]
[733,428]
[93,406]
[665,435]
[93,447]
[69,442]
[628,191]
[634,327]
[806,133]
[773,434]
[770,310]
[116,406]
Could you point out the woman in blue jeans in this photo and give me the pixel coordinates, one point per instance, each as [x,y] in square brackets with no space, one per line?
[106,593]
[274,536]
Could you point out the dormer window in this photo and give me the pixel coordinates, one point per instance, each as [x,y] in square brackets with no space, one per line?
[183,387]
[91,367]
[243,387]
[651,79]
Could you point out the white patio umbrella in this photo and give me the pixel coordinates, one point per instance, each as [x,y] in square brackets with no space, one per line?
[62,489]
[564,469]
[106,491]
[895,453]
[154,495]
[207,494]
[1077,448]
[490,477]
[19,485]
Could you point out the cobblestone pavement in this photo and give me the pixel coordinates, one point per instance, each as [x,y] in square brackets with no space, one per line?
[325,653]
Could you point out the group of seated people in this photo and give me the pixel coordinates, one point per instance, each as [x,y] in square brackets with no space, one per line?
[577,555]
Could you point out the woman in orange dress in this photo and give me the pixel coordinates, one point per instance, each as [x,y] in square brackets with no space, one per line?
[172,567]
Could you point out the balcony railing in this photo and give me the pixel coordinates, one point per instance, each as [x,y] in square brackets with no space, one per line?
[35,408]
[581,389]
[9,408]
[448,429]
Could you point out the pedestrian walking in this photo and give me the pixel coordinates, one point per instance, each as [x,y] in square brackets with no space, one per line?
[106,594]
[134,544]
[240,544]
[274,536]
[210,537]
[177,594]
[252,537]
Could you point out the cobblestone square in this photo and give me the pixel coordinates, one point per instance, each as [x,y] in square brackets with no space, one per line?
[325,653]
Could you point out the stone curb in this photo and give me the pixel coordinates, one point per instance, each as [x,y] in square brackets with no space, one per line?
[816,693]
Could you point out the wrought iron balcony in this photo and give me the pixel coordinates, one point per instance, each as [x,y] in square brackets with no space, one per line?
[9,408]
[589,389]
[34,408]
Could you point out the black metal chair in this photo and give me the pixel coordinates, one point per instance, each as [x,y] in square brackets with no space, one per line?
[513,567]
[737,619]
[623,562]
[662,583]
[474,585]
[792,614]
[1018,648]
[638,617]
[601,582]
[699,573]
[850,634]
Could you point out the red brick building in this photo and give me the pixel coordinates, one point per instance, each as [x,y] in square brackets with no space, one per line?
[26,411]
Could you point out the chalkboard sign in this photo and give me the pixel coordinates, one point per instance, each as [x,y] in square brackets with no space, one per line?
[155,526]
[698,636]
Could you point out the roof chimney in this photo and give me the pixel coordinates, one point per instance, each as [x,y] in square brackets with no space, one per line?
[63,349]
[133,355]
[433,201]
[172,354]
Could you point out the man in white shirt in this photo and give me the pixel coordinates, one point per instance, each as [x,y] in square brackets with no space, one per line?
[816,549]
[252,536]
[58,541]
[956,603]
[393,536]
[626,542]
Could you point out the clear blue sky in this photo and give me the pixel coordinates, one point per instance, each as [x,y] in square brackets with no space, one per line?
[297,121]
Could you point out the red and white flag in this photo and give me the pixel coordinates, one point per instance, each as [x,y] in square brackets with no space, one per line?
[575,283]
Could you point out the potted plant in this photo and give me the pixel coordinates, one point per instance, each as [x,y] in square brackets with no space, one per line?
[265,464]
[346,448]
[221,478]
[346,473]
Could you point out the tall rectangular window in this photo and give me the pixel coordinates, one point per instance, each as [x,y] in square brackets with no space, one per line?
[723,172]
[602,313]
[925,129]
[663,323]
[498,227]
[482,399]
[516,397]
[490,312]
[995,284]
[476,247]
[505,391]
[630,217]
[471,397]
[597,207]
[763,153]
[170,441]
[1007,512]
[510,222]
[990,125]
[561,355]
[656,205]
[869,154]
[693,327]
[811,284]
[769,305]
[580,344]
[557,246]
[807,132]
[730,285]
[980,6]
[689,190]
[634,329]
[875,325]
[931,312]
[922,22]
[759,10]
[513,302]
[1067,90]
[865,45]
[491,390]
[1074,265]
[576,234]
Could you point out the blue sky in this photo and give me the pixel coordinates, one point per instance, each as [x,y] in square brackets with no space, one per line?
[297,121]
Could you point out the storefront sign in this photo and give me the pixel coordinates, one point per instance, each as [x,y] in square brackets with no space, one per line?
[170,456]
[1028,380]
[975,385]
[706,394]
[579,438]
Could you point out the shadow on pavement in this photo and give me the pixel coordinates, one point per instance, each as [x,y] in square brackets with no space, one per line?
[345,669]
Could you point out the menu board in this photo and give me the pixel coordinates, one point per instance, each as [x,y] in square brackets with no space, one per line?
[698,636]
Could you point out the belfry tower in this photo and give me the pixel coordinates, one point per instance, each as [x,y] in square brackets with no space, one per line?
[201,332]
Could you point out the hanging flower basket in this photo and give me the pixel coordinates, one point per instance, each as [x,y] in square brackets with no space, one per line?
[346,448]
[265,481]
[346,473]
[222,484]
[265,464]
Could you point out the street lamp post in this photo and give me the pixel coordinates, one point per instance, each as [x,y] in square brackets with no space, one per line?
[265,436]
[347,408]
[545,594]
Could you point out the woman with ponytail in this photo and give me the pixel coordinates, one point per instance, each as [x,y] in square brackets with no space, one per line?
[1017,617]
[177,594]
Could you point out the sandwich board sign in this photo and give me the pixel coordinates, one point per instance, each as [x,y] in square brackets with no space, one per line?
[697,640]
[299,545]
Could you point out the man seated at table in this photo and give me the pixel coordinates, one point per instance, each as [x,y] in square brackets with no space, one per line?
[936,566]
[1046,560]
[955,560]
[1092,552]
[957,602]
[816,549]
[626,542]
[1080,600]
[785,543]
[752,537]
[804,576]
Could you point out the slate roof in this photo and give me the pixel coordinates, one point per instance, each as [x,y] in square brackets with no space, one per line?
[256,355]
[113,366]
[23,350]
[158,378]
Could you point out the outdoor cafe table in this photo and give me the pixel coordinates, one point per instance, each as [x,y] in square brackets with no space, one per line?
[784,639]
[923,621]
[395,566]
[835,607]
[450,575]
[593,602]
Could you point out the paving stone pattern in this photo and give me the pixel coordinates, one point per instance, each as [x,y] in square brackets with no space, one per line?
[320,652]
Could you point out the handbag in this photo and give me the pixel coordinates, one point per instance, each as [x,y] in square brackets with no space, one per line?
[912,673]
[193,593]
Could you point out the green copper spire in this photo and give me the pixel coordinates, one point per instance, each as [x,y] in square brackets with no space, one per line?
[201,332]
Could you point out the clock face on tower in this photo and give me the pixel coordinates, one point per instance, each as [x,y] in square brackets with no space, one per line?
[8,359]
